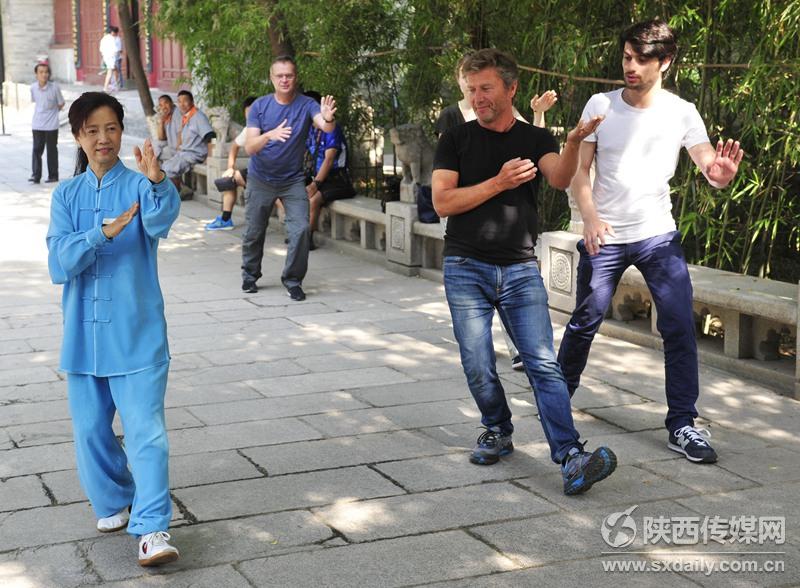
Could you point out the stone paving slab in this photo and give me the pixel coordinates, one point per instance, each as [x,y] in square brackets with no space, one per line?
[328,381]
[343,451]
[432,511]
[233,436]
[412,560]
[34,460]
[207,577]
[179,394]
[47,525]
[59,565]
[274,494]
[276,408]
[22,492]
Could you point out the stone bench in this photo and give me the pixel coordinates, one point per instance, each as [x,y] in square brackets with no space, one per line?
[358,219]
[740,317]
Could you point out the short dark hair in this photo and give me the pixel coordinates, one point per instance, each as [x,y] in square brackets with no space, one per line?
[79,113]
[504,63]
[42,64]
[249,101]
[284,59]
[651,39]
[166,97]
[113,29]
[186,93]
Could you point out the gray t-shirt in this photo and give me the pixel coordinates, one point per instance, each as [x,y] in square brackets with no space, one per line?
[46,100]
[192,134]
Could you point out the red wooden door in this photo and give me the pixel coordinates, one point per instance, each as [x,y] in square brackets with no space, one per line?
[91,23]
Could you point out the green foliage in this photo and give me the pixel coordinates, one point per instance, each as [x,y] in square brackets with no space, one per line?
[390,62]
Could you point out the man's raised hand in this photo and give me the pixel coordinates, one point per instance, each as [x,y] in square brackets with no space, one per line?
[583,129]
[726,163]
[327,108]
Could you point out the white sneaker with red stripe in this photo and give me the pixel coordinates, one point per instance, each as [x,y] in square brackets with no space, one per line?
[154,549]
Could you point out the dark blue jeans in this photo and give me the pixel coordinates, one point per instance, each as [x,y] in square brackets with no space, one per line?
[661,261]
[474,290]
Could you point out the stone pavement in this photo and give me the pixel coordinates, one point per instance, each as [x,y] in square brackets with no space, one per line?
[325,443]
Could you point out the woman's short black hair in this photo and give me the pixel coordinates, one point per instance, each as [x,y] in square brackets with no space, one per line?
[81,110]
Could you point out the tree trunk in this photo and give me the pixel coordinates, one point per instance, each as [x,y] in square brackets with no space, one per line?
[279,40]
[130,36]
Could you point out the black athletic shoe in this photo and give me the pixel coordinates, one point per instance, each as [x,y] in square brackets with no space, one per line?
[296,293]
[517,365]
[33,180]
[51,181]
[490,447]
[249,287]
[692,443]
[582,469]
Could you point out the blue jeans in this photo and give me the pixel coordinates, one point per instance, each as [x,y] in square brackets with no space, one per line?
[663,266]
[474,290]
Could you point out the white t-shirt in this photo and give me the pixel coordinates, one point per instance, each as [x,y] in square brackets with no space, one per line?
[108,49]
[241,137]
[637,153]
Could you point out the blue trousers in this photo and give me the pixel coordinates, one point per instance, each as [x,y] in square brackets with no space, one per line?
[103,466]
[662,264]
[474,290]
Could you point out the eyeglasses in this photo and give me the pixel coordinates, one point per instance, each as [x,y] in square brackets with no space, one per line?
[285,76]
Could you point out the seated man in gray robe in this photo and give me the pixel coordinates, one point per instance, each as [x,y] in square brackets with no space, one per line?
[193,137]
[168,128]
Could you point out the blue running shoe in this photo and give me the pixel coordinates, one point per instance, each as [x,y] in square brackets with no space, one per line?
[220,225]
[490,447]
[583,469]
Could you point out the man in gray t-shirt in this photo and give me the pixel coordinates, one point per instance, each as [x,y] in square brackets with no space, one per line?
[194,134]
[48,101]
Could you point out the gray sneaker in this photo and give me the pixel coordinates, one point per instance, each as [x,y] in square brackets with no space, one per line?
[490,446]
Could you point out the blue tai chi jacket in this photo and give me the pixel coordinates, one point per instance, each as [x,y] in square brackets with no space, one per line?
[113,308]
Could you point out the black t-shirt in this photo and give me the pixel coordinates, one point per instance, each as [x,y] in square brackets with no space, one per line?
[503,229]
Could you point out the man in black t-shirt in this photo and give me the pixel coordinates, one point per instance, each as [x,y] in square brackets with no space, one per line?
[485,180]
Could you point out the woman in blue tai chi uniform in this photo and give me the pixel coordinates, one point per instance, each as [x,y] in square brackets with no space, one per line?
[105,225]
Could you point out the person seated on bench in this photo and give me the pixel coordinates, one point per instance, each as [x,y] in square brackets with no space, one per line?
[231,178]
[193,138]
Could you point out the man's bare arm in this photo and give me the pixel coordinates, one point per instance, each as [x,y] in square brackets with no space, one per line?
[719,165]
[449,199]
[255,140]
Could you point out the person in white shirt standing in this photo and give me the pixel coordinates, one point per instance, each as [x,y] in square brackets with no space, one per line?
[48,101]
[111,50]
[627,216]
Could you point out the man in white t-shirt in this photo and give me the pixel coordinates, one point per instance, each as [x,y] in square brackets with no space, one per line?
[110,50]
[238,177]
[627,217]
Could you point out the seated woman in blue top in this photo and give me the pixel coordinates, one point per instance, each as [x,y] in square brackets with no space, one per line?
[105,225]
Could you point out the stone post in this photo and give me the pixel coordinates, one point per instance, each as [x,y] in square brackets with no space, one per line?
[559,261]
[403,248]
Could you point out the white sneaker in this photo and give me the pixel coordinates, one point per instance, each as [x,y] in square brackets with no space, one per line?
[113,523]
[154,549]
